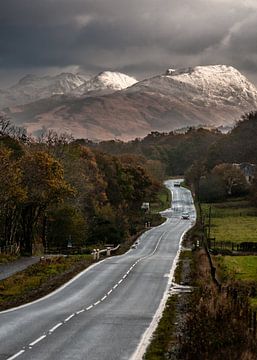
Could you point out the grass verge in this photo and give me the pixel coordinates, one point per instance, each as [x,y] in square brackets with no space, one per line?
[164,336]
[40,279]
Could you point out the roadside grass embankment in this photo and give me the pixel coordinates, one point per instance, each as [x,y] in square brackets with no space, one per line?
[40,279]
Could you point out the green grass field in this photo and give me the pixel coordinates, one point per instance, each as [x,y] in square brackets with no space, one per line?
[242,268]
[234,221]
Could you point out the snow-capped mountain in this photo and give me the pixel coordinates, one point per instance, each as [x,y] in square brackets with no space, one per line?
[107,80]
[31,88]
[208,95]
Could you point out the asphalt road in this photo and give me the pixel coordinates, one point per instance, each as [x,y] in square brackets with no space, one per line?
[107,311]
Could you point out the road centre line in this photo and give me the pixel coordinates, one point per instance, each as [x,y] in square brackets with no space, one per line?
[91,306]
[80,311]
[16,355]
[69,317]
[37,341]
[55,327]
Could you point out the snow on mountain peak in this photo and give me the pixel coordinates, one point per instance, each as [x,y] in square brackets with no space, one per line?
[106,81]
[116,80]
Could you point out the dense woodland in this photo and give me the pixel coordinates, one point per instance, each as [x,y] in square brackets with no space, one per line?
[56,190]
[203,156]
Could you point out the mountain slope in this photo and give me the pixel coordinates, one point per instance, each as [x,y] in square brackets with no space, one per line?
[31,88]
[207,95]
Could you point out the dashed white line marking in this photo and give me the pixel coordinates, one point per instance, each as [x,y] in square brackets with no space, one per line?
[37,341]
[80,311]
[116,285]
[103,298]
[16,355]
[124,276]
[69,317]
[55,327]
[89,307]
[96,303]
[109,292]
[120,281]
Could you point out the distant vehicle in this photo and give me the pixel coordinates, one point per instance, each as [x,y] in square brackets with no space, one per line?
[185,215]
[177,184]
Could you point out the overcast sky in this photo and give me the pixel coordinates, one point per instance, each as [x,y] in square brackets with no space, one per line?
[138,37]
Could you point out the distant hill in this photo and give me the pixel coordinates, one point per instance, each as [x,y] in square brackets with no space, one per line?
[215,95]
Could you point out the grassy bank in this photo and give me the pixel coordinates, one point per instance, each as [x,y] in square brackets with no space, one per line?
[40,279]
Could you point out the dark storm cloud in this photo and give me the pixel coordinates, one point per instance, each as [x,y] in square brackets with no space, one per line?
[137,36]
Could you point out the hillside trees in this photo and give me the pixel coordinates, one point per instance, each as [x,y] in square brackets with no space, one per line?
[12,195]
[43,179]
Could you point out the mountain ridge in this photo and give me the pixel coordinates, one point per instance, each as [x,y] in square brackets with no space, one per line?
[215,95]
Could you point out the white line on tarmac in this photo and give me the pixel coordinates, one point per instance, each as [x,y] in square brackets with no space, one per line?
[55,327]
[69,317]
[16,355]
[80,311]
[88,308]
[37,341]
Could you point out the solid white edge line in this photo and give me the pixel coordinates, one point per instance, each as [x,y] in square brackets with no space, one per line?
[38,340]
[69,317]
[146,338]
[16,355]
[55,327]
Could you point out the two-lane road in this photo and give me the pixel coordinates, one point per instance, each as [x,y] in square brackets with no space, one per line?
[104,312]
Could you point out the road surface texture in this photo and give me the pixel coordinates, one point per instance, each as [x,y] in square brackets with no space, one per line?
[13,267]
[107,311]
